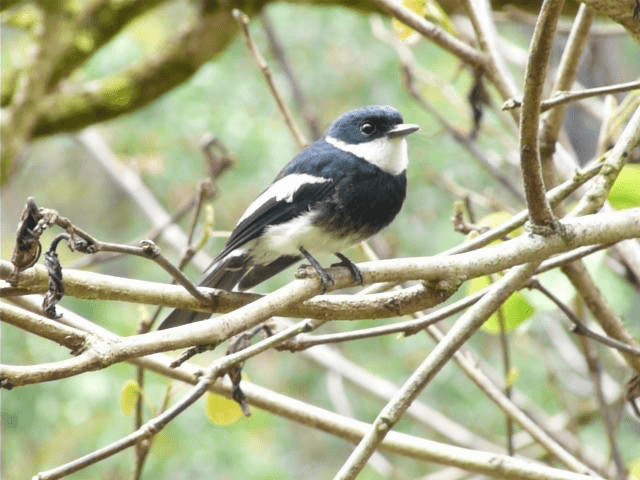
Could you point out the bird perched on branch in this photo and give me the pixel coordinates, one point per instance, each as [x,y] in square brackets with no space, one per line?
[337,192]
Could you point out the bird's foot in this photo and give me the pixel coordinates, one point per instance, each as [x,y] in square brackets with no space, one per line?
[327,281]
[353,268]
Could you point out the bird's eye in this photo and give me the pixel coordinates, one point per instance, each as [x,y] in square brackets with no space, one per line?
[368,128]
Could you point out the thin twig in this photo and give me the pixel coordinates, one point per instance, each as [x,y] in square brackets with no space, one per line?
[580,328]
[146,201]
[481,16]
[563,97]
[409,76]
[506,366]
[616,158]
[153,235]
[555,196]
[409,327]
[243,21]
[567,71]
[464,140]
[299,97]
[143,446]
[595,371]
[569,257]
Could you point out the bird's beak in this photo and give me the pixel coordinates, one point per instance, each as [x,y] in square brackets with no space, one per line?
[402,129]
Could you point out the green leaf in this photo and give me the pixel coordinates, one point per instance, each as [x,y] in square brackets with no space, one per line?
[625,192]
[516,310]
[129,395]
[221,410]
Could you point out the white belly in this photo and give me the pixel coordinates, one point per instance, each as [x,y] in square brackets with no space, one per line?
[287,238]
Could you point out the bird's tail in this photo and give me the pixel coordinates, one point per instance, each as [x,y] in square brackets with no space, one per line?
[224,274]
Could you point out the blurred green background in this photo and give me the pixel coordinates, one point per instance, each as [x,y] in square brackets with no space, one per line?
[340,66]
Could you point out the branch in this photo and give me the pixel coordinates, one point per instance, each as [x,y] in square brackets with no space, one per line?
[204,38]
[301,101]
[537,64]
[580,328]
[494,465]
[577,232]
[156,424]
[21,117]
[567,71]
[243,20]
[562,97]
[437,35]
[94,26]
[617,157]
[409,327]
[433,363]
[96,286]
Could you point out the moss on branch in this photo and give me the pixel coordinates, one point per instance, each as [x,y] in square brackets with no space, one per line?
[142,83]
[203,40]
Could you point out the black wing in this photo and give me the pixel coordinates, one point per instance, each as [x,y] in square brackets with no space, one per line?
[276,211]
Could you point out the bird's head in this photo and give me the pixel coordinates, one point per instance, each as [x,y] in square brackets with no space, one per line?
[375,134]
[370,123]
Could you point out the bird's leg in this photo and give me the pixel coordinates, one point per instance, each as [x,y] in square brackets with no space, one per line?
[327,281]
[353,268]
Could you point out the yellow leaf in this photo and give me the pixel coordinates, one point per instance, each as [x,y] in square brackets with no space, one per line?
[221,410]
[129,396]
[494,220]
[428,9]
[404,32]
[634,469]
[513,376]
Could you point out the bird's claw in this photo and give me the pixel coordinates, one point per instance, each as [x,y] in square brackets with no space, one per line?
[353,268]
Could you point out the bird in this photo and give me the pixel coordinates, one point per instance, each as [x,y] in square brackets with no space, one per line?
[337,192]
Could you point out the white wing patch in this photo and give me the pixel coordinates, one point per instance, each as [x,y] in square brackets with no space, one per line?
[388,154]
[283,189]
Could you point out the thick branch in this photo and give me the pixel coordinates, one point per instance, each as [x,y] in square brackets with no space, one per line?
[576,232]
[207,36]
[535,74]
[96,25]
[95,286]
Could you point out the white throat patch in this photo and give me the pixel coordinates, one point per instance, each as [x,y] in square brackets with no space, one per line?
[388,154]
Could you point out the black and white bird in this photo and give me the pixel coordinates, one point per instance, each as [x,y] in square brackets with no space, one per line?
[337,192]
